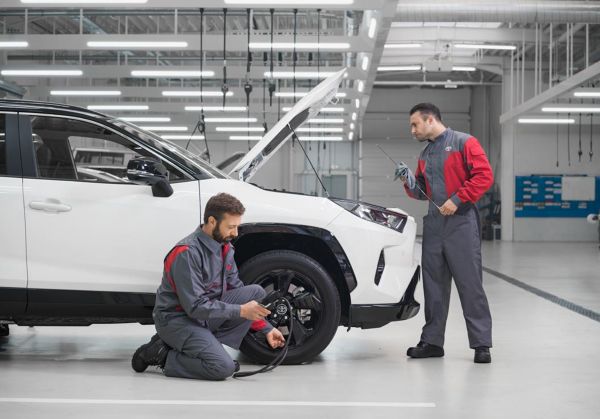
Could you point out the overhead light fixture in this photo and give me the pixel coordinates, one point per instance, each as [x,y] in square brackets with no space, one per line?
[357,103]
[329,110]
[145,118]
[326,121]
[291,2]
[245,137]
[398,68]
[230,119]
[137,44]
[14,44]
[302,94]
[372,27]
[239,129]
[354,116]
[463,68]
[365,63]
[182,137]
[361,85]
[165,128]
[321,129]
[84,1]
[195,93]
[298,74]
[300,45]
[586,94]
[216,108]
[351,135]
[118,107]
[400,46]
[486,46]
[546,121]
[41,73]
[327,138]
[172,73]
[85,92]
[351,125]
[574,109]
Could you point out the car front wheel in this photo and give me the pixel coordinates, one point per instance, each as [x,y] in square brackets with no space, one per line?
[292,279]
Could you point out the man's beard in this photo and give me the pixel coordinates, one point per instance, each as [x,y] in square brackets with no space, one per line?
[218,237]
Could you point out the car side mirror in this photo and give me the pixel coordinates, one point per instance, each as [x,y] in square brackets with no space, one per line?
[148,171]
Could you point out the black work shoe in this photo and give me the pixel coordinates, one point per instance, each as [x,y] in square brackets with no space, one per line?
[151,353]
[425,350]
[482,355]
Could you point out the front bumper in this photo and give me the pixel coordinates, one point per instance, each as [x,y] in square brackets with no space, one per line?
[369,316]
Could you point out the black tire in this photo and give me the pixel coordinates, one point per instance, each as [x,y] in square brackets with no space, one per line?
[311,293]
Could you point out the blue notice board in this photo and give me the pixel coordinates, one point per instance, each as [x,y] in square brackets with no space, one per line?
[541,196]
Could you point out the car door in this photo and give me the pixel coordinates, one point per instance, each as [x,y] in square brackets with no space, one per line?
[95,232]
[13,268]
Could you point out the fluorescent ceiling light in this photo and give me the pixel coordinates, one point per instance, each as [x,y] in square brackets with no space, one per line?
[245,137]
[323,129]
[328,138]
[372,27]
[399,68]
[137,44]
[84,1]
[14,44]
[361,85]
[399,46]
[352,125]
[486,46]
[230,119]
[354,116]
[300,45]
[463,68]
[118,107]
[302,94]
[172,73]
[365,63]
[195,93]
[326,121]
[182,137]
[546,121]
[41,73]
[351,135]
[240,129]
[357,103]
[165,128]
[574,109]
[291,2]
[299,74]
[216,108]
[332,110]
[145,118]
[588,93]
[85,92]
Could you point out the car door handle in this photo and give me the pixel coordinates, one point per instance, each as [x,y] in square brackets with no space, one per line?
[49,206]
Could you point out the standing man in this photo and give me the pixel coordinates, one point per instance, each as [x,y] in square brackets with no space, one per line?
[453,172]
[202,304]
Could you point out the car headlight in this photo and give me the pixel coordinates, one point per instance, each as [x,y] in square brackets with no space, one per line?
[374,213]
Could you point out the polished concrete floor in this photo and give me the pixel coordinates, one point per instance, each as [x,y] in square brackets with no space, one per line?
[545,361]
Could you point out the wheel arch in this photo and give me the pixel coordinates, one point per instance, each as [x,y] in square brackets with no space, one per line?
[317,243]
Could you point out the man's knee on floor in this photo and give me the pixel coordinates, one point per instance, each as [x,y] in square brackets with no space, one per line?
[222,369]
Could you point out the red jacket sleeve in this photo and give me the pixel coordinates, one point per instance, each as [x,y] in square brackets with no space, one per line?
[480,177]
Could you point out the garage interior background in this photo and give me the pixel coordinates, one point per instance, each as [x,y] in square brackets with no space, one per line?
[484,75]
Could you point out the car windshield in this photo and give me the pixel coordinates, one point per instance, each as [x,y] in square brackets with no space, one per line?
[180,154]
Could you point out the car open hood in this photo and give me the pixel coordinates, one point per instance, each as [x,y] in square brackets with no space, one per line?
[306,108]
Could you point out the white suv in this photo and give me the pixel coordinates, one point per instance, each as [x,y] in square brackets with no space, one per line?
[78,249]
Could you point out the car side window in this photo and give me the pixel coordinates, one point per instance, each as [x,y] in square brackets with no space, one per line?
[2,144]
[71,149]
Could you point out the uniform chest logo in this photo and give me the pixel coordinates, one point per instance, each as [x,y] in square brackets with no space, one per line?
[449,148]
[228,267]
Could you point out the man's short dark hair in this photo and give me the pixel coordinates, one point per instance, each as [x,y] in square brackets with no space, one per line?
[427,109]
[221,204]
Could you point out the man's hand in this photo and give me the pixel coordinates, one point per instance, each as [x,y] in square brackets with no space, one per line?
[275,339]
[405,175]
[253,311]
[449,208]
